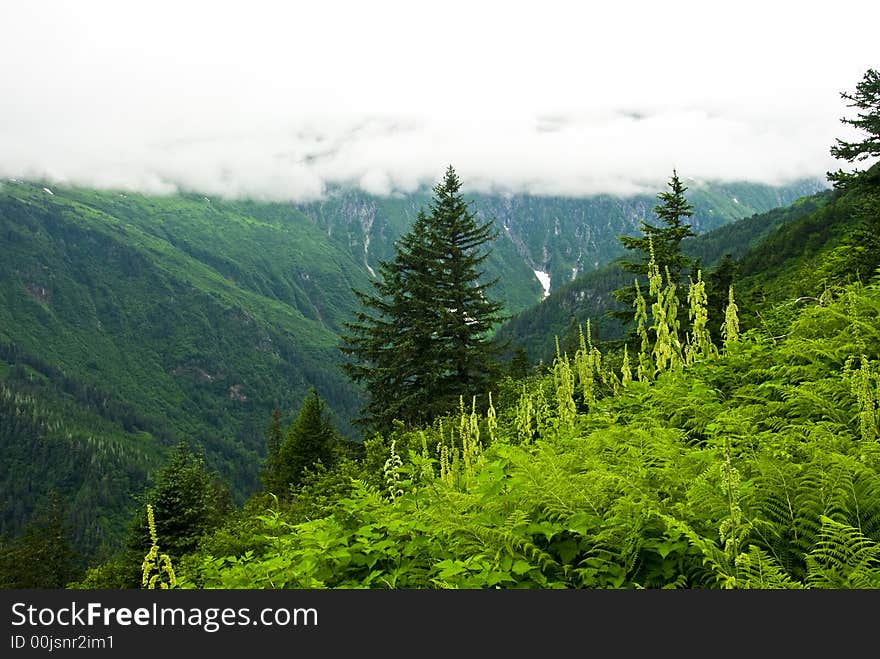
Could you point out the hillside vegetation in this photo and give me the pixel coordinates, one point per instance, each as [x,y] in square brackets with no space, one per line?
[751,466]
[682,460]
[129,323]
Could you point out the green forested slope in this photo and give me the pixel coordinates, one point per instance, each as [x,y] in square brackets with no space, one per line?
[152,320]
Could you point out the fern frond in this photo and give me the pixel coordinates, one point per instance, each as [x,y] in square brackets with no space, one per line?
[843,558]
[757,569]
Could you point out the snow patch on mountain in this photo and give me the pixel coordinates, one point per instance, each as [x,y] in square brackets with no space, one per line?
[544,278]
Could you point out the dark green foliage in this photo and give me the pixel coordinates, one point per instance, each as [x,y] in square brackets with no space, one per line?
[863,257]
[272,465]
[519,367]
[188,503]
[422,339]
[391,340]
[43,555]
[467,314]
[130,322]
[866,101]
[309,443]
[662,243]
[48,440]
[665,240]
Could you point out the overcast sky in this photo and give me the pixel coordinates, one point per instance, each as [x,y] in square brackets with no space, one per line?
[277,100]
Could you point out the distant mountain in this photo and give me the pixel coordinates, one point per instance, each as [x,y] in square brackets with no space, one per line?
[777,253]
[558,238]
[130,322]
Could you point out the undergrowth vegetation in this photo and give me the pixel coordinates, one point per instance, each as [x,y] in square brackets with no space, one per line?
[750,464]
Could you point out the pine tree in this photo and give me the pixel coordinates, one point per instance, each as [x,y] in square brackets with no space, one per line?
[465,355]
[310,441]
[664,240]
[421,340]
[274,440]
[866,100]
[865,241]
[188,501]
[519,366]
[391,340]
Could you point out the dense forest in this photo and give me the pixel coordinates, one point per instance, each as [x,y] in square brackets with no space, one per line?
[721,431]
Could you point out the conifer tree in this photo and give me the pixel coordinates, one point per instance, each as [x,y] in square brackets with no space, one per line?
[310,440]
[274,440]
[391,341]
[519,366]
[188,502]
[866,100]
[865,241]
[421,340]
[664,240]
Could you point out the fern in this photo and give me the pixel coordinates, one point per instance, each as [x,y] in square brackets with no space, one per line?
[843,558]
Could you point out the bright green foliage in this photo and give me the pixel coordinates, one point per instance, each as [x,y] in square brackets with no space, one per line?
[587,365]
[563,381]
[667,350]
[422,339]
[730,329]
[157,568]
[644,368]
[866,389]
[699,343]
[491,421]
[392,475]
[625,370]
[748,470]
[524,418]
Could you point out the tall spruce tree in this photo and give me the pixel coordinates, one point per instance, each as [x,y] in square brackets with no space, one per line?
[422,339]
[665,240]
[866,100]
[864,242]
[310,440]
